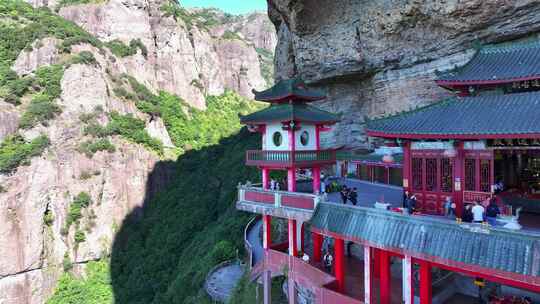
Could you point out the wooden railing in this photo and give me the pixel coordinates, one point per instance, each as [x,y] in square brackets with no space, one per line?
[279,199]
[283,158]
[475,196]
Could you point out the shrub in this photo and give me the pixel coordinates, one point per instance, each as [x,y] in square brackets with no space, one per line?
[228,35]
[85,175]
[89,147]
[79,236]
[48,218]
[40,110]
[223,251]
[120,49]
[81,201]
[83,57]
[120,92]
[96,130]
[15,151]
[133,129]
[66,263]
[3,189]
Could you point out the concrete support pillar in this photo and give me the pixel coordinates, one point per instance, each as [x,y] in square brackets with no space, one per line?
[408,295]
[339,265]
[267,231]
[267,286]
[316,173]
[368,282]
[292,291]
[384,287]
[292,238]
[265,178]
[291,180]
[300,236]
[425,283]
[317,246]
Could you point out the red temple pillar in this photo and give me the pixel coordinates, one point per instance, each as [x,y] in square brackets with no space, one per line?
[292,237]
[388,175]
[291,180]
[407,282]
[316,173]
[339,266]
[317,246]
[265,178]
[425,282]
[376,262]
[302,237]
[459,179]
[368,274]
[384,288]
[267,231]
[407,166]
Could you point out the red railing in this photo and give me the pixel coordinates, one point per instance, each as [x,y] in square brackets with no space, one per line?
[305,274]
[475,196]
[287,158]
[278,199]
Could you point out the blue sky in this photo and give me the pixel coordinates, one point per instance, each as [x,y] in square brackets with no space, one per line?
[229,6]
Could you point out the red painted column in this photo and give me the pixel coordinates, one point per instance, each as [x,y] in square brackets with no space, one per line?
[339,266]
[376,262]
[316,172]
[384,287]
[302,238]
[368,275]
[318,137]
[425,283]
[459,179]
[291,180]
[265,178]
[317,246]
[292,238]
[267,231]
[407,179]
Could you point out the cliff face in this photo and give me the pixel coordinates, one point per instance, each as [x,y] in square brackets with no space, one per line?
[379,57]
[185,57]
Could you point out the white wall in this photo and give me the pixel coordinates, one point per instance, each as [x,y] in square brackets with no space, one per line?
[270,130]
[268,143]
[310,129]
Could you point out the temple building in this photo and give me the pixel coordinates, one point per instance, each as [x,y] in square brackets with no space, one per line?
[481,143]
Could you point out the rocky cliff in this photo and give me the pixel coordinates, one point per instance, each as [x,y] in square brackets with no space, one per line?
[379,57]
[62,208]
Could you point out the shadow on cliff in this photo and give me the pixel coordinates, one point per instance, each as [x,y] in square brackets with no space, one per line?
[188,223]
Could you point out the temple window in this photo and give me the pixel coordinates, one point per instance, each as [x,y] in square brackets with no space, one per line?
[304,138]
[277,139]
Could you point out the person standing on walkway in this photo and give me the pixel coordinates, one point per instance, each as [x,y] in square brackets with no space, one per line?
[272,184]
[353,196]
[328,260]
[449,207]
[467,214]
[492,212]
[411,204]
[478,212]
[344,194]
[405,198]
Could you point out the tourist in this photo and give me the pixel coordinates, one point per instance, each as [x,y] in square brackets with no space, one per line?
[467,214]
[405,198]
[344,194]
[411,204]
[498,187]
[272,184]
[353,196]
[323,183]
[478,212]
[492,212]
[328,260]
[449,208]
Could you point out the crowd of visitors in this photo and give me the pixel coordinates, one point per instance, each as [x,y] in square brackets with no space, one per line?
[350,194]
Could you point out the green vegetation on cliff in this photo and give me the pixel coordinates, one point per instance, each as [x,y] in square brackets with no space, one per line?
[15,151]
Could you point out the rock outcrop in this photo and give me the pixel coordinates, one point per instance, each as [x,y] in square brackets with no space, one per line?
[379,57]
[182,58]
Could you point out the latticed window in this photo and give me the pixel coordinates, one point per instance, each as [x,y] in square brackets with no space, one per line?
[417,173]
[446,175]
[431,174]
[470,174]
[363,172]
[485,174]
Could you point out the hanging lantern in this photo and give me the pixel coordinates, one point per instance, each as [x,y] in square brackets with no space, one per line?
[450,152]
[388,158]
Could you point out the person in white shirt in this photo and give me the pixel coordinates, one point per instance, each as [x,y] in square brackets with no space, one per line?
[272,184]
[478,213]
[305,258]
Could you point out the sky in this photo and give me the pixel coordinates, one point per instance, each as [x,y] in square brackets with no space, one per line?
[229,6]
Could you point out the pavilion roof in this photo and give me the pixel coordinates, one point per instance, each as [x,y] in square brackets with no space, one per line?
[495,64]
[289,89]
[442,241]
[290,112]
[487,116]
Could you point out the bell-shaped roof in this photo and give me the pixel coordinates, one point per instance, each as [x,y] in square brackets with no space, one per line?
[293,89]
[290,112]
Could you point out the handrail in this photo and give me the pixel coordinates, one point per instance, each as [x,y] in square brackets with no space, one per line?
[247,244]
[290,157]
[279,198]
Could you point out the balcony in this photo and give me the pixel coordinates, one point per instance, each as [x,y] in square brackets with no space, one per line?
[284,159]
[279,203]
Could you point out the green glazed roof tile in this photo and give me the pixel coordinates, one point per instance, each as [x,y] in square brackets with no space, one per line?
[284,90]
[482,115]
[288,112]
[500,249]
[509,61]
